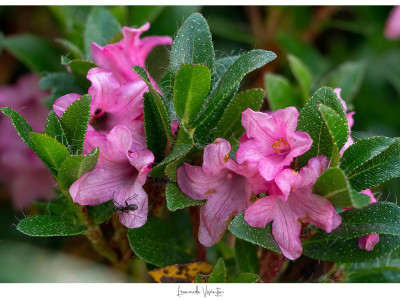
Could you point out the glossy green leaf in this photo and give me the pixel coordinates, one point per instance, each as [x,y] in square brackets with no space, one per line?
[182,146]
[246,257]
[230,125]
[259,236]
[245,64]
[312,122]
[244,278]
[54,129]
[302,75]
[80,69]
[334,185]
[192,44]
[49,226]
[49,149]
[342,244]
[280,92]
[178,200]
[74,166]
[35,52]
[218,274]
[221,66]
[156,243]
[191,87]
[99,214]
[347,76]
[372,161]
[101,26]
[75,121]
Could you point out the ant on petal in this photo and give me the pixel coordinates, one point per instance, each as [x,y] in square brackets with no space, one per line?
[127,208]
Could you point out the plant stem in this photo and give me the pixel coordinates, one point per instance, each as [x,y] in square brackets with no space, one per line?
[270,265]
[201,253]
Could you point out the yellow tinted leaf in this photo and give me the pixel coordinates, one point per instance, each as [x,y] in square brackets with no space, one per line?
[181,273]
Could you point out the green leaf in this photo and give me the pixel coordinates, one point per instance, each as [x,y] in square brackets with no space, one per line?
[246,257]
[376,275]
[192,44]
[178,200]
[98,214]
[230,125]
[218,274]
[142,14]
[71,47]
[246,63]
[372,161]
[347,76]
[221,66]
[334,185]
[156,243]
[49,149]
[280,92]
[244,278]
[302,75]
[342,244]
[101,26]
[49,226]
[183,145]
[75,121]
[54,129]
[75,166]
[259,236]
[80,69]
[191,87]
[312,122]
[35,52]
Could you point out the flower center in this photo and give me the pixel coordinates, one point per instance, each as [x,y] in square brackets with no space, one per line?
[281,146]
[99,118]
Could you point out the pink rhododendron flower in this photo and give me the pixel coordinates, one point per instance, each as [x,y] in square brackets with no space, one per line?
[272,141]
[350,121]
[226,185]
[119,174]
[368,242]
[23,173]
[294,204]
[119,58]
[392,28]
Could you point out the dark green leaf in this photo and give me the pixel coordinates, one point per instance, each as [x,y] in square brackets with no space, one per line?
[75,166]
[35,52]
[62,208]
[224,27]
[75,121]
[311,121]
[218,274]
[375,275]
[246,63]
[143,13]
[244,278]
[302,75]
[246,257]
[155,243]
[101,26]
[192,44]
[334,185]
[221,66]
[71,47]
[372,161]
[178,200]
[49,226]
[54,129]
[80,69]
[100,213]
[347,76]
[280,92]
[49,149]
[259,236]
[230,125]
[191,87]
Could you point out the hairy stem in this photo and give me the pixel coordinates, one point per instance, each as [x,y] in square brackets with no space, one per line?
[201,253]
[270,265]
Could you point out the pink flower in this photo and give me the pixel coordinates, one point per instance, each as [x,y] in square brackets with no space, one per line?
[295,204]
[226,186]
[350,121]
[23,173]
[392,28]
[272,142]
[368,242]
[112,104]
[119,58]
[119,174]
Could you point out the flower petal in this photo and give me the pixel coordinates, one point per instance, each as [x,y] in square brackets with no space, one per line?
[63,102]
[368,242]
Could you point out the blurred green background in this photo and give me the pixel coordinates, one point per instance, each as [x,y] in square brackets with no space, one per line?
[329,40]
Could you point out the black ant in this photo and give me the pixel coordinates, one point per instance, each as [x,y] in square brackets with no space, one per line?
[127,208]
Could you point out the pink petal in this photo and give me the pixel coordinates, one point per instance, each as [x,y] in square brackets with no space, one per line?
[368,242]
[369,193]
[270,166]
[392,28]
[300,142]
[287,119]
[216,156]
[259,126]
[136,218]
[249,151]
[261,212]
[63,102]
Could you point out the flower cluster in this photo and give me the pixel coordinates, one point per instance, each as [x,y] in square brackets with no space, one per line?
[116,127]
